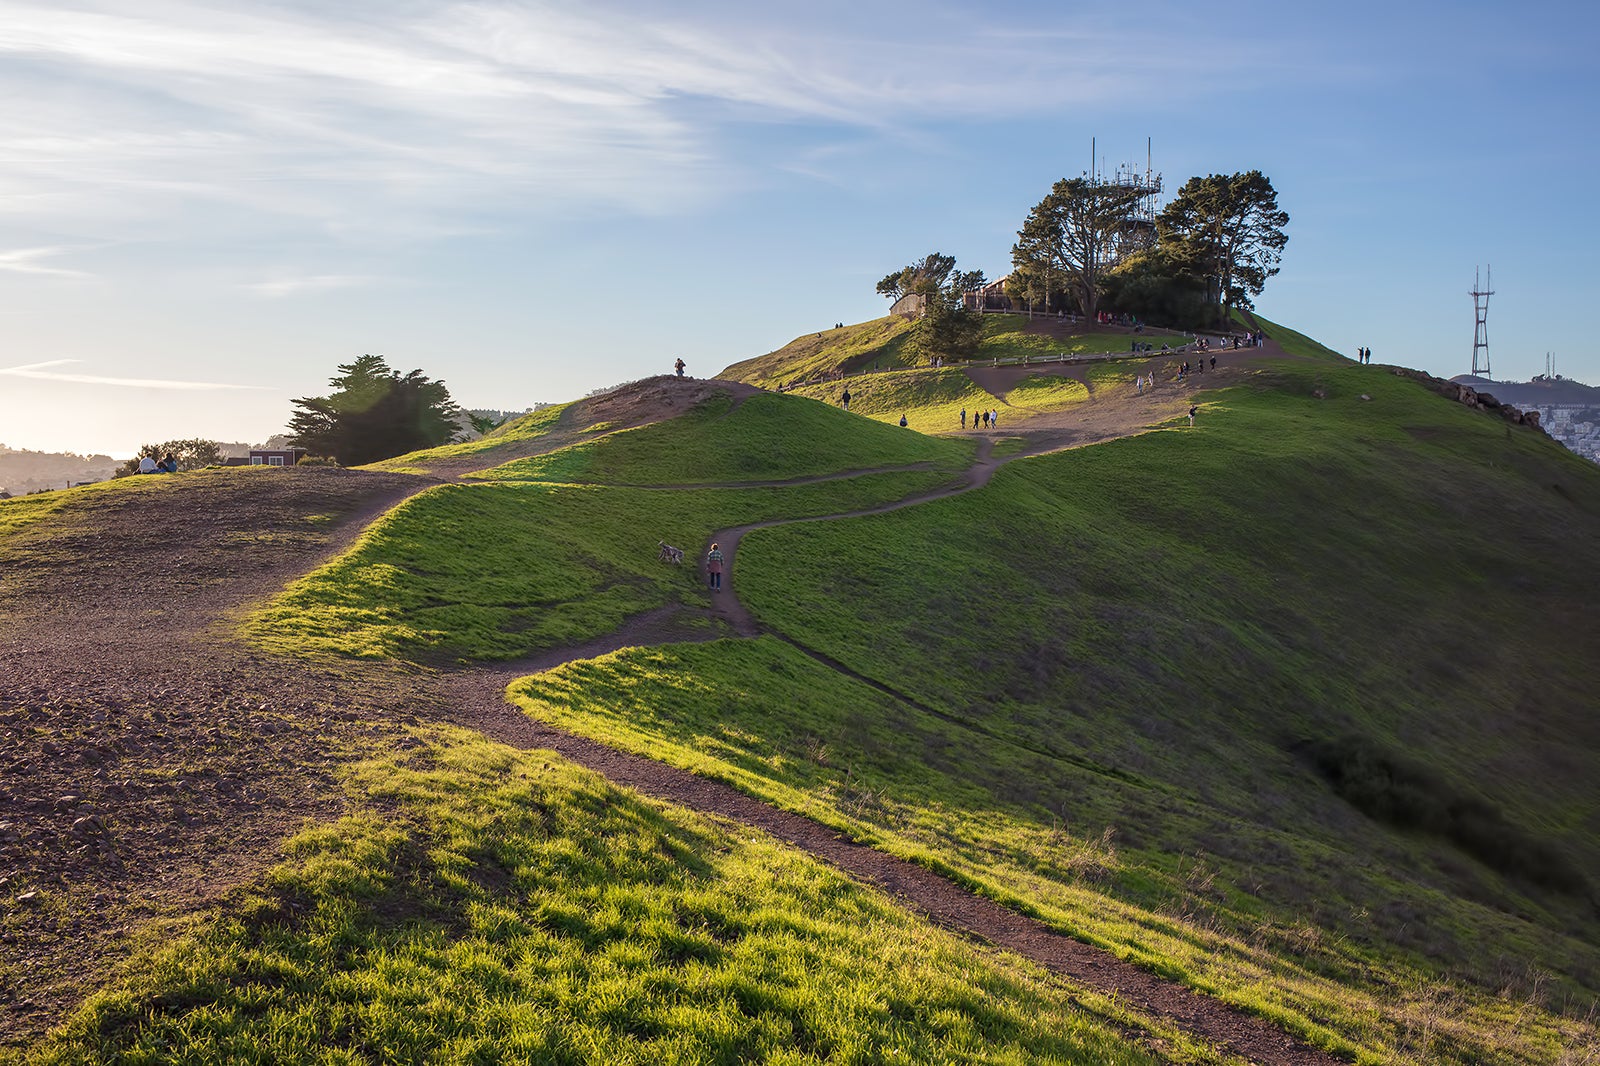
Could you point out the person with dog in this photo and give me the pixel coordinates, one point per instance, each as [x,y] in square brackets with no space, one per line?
[714,567]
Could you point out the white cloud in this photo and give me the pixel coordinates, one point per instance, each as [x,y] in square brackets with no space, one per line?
[280,287]
[39,372]
[23,261]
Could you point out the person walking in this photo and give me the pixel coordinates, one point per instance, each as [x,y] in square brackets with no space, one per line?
[679,365]
[714,567]
[845,399]
[963,418]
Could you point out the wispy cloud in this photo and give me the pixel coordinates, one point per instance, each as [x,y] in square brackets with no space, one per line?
[25,261]
[362,117]
[281,287]
[41,372]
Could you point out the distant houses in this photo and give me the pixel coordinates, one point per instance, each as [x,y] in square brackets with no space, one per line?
[268,457]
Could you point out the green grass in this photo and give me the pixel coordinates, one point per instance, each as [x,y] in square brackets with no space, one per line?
[1051,393]
[500,571]
[490,905]
[764,438]
[1144,636]
[880,345]
[530,427]
[1016,337]
[1295,343]
[931,400]
[854,348]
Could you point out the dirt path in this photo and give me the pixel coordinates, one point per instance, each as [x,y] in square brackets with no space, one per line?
[479,696]
[192,759]
[478,699]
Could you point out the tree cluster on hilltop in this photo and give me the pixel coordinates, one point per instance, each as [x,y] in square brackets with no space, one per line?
[1215,246]
[1086,247]
[375,413]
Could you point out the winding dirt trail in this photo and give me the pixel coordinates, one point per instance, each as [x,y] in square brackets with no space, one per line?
[478,699]
[257,744]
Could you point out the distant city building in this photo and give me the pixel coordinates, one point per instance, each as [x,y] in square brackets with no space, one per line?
[1569,411]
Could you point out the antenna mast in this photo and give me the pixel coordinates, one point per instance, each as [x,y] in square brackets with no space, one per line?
[1480,305]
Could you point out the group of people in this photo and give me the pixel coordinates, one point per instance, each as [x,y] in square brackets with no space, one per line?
[1363,355]
[990,419]
[165,465]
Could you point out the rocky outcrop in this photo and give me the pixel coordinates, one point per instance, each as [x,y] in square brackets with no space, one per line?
[1471,397]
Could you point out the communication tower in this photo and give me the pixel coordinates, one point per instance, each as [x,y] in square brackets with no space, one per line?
[1140,234]
[1480,305]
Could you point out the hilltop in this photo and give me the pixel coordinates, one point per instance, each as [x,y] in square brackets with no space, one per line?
[1291,709]
[879,345]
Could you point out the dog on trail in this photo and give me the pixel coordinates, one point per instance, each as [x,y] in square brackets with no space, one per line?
[669,554]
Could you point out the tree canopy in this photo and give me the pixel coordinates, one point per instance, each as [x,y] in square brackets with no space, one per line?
[190,455]
[1069,240]
[935,273]
[1231,226]
[945,329]
[375,413]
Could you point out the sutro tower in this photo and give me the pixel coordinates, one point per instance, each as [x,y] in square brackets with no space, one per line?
[1480,340]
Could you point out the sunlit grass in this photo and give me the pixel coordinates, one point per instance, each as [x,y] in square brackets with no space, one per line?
[764,438]
[498,571]
[485,904]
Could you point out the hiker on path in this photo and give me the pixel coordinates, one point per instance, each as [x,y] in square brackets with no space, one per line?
[1213,362]
[845,399]
[994,419]
[714,568]
[963,418]
[679,365]
[1138,384]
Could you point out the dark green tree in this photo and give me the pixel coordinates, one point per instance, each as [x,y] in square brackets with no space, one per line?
[1069,240]
[1159,285]
[190,454]
[945,327]
[1231,226]
[374,413]
[484,424]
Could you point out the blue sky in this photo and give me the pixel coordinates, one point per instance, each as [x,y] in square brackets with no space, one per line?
[205,207]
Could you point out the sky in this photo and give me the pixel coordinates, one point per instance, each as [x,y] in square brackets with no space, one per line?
[205,208]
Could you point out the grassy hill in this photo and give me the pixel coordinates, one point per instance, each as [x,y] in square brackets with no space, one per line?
[1294,707]
[880,345]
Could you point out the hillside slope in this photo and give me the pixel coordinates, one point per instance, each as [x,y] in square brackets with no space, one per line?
[1293,706]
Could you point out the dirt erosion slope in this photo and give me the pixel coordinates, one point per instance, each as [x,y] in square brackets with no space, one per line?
[147,764]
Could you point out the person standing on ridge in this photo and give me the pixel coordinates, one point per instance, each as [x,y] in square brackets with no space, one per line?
[714,568]
[679,365]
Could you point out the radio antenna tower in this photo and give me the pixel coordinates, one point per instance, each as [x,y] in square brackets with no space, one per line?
[1480,305]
